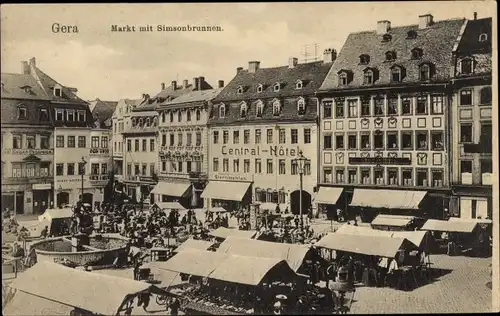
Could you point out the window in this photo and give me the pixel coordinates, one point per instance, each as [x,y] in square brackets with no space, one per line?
[137,170]
[30,170]
[269,166]
[365,141]
[81,168]
[282,136]
[352,106]
[425,72]
[407,176]
[392,140]
[151,145]
[258,165]
[198,115]
[163,166]
[81,116]
[411,34]
[59,169]
[172,139]
[95,142]
[94,169]
[352,176]
[368,77]
[339,175]
[144,169]
[216,137]
[466,170]
[486,167]
[144,145]
[327,175]
[44,142]
[71,141]
[171,117]
[295,136]
[307,135]
[243,109]
[392,106]
[129,145]
[421,140]
[390,56]
[225,137]
[386,38]
[364,59]
[260,108]
[365,176]
[30,141]
[136,145]
[352,141]
[258,136]
[299,84]
[282,166]
[269,136]
[379,106]
[406,106]
[179,166]
[392,176]
[396,74]
[164,140]
[466,66]
[179,139]
[327,141]
[365,107]
[437,177]
[483,37]
[276,108]
[422,177]
[466,97]
[339,141]
[437,104]
[301,106]
[129,169]
[417,53]
[246,166]
[486,137]
[466,133]
[378,174]
[307,168]
[222,111]
[188,166]
[378,140]
[70,115]
[485,96]
[339,109]
[225,165]
[198,139]
[189,138]
[58,92]
[407,140]
[327,109]
[60,141]
[22,113]
[276,87]
[236,137]
[188,115]
[437,141]
[294,167]
[215,165]
[59,115]
[343,79]
[44,115]
[259,88]
[104,142]
[179,116]
[422,104]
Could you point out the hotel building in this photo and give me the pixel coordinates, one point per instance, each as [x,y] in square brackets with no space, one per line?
[385,108]
[257,125]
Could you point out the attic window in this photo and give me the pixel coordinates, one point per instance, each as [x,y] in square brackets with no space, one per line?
[222,111]
[58,92]
[343,79]
[81,116]
[27,89]
[59,114]
[243,109]
[301,106]
[396,74]
[386,38]
[259,88]
[276,87]
[483,37]
[417,53]
[299,84]
[368,77]
[240,90]
[390,56]
[276,108]
[411,35]
[466,66]
[70,115]
[425,72]
[22,113]
[259,108]
[44,115]
[364,59]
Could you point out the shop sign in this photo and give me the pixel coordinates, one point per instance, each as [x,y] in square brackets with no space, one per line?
[234,177]
[42,186]
[276,151]
[379,161]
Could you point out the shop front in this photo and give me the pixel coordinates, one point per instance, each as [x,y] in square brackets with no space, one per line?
[472,203]
[173,191]
[42,193]
[231,195]
[328,200]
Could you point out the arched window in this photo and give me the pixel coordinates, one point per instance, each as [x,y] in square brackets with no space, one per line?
[188,115]
[239,90]
[260,88]
[368,77]
[390,56]
[301,106]
[259,108]
[276,108]
[364,59]
[198,115]
[276,87]
[299,84]
[243,109]
[343,78]
[425,72]
[163,117]
[134,122]
[148,122]
[141,123]
[222,111]
[171,116]
[179,116]
[483,37]
[417,53]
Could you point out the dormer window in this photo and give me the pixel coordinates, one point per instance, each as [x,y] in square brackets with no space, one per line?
[239,90]
[344,77]
[222,111]
[411,34]
[425,72]
[276,108]
[58,91]
[417,53]
[27,89]
[259,108]
[81,116]
[390,56]
[397,74]
[70,115]
[243,109]
[466,66]
[276,87]
[483,37]
[22,113]
[260,88]
[59,114]
[44,115]
[301,106]
[299,84]
[386,38]
[368,77]
[364,59]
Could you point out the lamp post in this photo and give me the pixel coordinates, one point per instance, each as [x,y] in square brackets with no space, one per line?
[301,162]
[82,173]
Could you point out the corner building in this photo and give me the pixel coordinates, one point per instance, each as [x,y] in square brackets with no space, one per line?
[385,108]
[257,125]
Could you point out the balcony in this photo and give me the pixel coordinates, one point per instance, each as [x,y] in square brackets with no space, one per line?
[27,152]
[99,151]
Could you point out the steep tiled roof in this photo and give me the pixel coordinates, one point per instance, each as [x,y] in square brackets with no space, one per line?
[470,43]
[436,42]
[192,97]
[312,75]
[9,112]
[48,85]
[13,87]
[171,93]
[102,110]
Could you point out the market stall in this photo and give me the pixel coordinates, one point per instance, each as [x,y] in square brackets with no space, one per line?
[396,222]
[222,233]
[54,219]
[195,244]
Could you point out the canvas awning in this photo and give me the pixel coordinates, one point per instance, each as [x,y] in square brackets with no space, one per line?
[268,206]
[450,226]
[294,254]
[223,232]
[386,247]
[327,195]
[218,209]
[392,220]
[477,220]
[221,190]
[193,262]
[28,304]
[392,199]
[169,206]
[56,213]
[171,188]
[98,293]
[194,244]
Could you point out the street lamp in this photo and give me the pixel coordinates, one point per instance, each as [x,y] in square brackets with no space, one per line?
[82,172]
[301,162]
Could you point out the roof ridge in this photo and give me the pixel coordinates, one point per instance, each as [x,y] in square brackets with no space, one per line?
[408,25]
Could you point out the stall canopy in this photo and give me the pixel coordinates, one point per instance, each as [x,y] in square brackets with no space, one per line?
[328,195]
[98,293]
[223,232]
[391,199]
[220,190]
[28,304]
[392,220]
[194,244]
[169,206]
[171,188]
[477,220]
[294,254]
[56,213]
[218,209]
[268,206]
[450,226]
[367,245]
[193,262]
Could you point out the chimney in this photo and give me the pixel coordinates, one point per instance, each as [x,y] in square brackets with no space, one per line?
[196,83]
[239,69]
[25,68]
[253,66]
[329,55]
[162,86]
[174,85]
[383,27]
[185,83]
[475,15]
[425,21]
[33,62]
[221,83]
[292,62]
[201,81]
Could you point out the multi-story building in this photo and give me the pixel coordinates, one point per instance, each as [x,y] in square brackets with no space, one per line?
[33,104]
[183,141]
[471,122]
[384,123]
[258,124]
[102,112]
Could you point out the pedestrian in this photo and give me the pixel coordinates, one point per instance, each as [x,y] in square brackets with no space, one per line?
[45,232]
[355,222]
[174,306]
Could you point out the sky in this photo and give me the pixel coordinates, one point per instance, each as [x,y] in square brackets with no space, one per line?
[111,66]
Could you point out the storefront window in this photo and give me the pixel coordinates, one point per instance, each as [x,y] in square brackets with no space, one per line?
[437,178]
[392,175]
[379,176]
[422,178]
[353,176]
[407,177]
[327,175]
[365,176]
[339,175]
